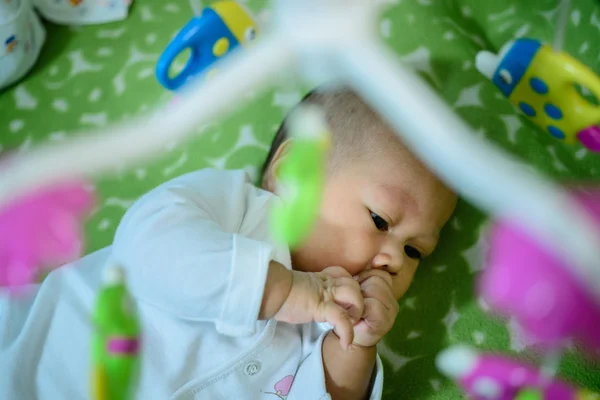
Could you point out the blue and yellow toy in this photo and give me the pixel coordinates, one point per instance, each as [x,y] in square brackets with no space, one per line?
[218,30]
[543,84]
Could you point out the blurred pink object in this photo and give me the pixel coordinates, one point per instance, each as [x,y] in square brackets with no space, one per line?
[40,230]
[590,138]
[527,282]
[490,377]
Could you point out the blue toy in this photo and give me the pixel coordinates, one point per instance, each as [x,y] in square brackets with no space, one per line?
[216,32]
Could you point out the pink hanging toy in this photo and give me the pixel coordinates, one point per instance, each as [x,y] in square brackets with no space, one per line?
[487,377]
[40,230]
[525,280]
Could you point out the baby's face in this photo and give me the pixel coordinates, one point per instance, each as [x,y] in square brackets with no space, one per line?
[385,213]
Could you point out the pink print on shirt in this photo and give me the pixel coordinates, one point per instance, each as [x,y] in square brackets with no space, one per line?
[283,387]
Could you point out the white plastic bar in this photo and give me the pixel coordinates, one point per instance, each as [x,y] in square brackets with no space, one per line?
[197,7]
[562,24]
[105,150]
[477,169]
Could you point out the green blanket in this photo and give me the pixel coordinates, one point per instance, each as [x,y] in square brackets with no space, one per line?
[94,76]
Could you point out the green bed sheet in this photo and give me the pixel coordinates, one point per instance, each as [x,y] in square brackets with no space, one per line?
[94,76]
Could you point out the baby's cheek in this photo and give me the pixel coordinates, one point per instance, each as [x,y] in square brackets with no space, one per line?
[354,269]
[400,284]
[355,263]
[359,253]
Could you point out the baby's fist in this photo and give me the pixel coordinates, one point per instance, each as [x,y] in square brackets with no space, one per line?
[331,296]
[381,308]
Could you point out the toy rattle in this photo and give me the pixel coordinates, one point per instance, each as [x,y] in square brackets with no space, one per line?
[301,177]
[491,377]
[524,279]
[527,281]
[543,83]
[116,341]
[217,31]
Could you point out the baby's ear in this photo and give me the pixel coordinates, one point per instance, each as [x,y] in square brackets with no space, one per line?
[271,174]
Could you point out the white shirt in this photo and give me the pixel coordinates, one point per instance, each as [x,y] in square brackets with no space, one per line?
[196,251]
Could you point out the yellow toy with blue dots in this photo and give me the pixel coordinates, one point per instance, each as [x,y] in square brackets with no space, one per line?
[543,83]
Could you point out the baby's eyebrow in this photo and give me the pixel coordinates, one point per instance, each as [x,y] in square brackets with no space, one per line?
[395,194]
[428,240]
[431,238]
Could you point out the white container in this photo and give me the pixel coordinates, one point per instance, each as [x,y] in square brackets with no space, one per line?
[21,38]
[82,12]
[8,10]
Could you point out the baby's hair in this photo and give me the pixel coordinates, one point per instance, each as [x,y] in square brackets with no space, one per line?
[357,130]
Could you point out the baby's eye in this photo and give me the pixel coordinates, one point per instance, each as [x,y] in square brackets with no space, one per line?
[380,223]
[413,253]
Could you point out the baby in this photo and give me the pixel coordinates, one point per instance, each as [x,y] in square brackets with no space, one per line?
[227,313]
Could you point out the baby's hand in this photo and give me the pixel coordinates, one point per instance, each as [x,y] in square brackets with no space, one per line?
[381,308]
[331,296]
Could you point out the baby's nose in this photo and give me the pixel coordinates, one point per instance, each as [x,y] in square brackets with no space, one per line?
[388,262]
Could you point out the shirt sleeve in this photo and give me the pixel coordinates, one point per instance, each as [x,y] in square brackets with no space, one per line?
[183,254]
[309,382]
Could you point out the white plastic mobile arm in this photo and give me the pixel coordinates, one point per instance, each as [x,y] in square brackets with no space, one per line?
[335,38]
[197,6]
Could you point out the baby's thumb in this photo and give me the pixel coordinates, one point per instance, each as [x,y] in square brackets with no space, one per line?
[339,318]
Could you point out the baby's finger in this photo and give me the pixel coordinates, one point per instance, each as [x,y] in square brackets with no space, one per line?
[340,320]
[378,317]
[363,276]
[347,293]
[377,288]
[337,272]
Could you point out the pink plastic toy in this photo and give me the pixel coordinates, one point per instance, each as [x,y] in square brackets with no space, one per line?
[590,138]
[527,282]
[41,230]
[490,377]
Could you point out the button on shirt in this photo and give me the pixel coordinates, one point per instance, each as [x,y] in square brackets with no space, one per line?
[196,251]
